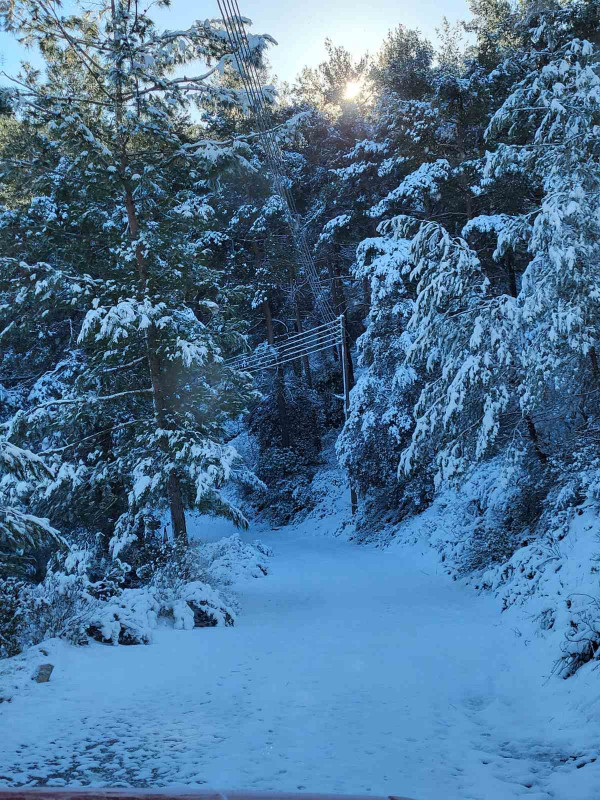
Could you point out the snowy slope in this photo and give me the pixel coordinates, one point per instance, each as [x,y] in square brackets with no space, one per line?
[351,669]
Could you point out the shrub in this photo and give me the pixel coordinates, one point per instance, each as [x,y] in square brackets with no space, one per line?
[14,602]
[185,585]
[29,614]
[582,640]
[62,607]
[125,619]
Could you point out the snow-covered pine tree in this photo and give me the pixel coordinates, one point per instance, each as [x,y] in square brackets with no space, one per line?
[148,398]
[547,129]
[422,161]
[494,336]
[463,345]
[381,420]
[325,86]
[266,280]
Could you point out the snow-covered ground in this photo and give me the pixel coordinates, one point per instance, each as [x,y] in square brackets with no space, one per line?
[351,669]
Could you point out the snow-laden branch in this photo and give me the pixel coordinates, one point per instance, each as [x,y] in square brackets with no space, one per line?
[56,450]
[85,400]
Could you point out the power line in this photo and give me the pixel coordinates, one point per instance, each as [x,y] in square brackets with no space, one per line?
[242,53]
[323,337]
[333,332]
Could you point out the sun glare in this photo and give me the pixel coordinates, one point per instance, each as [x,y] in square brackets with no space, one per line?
[352,90]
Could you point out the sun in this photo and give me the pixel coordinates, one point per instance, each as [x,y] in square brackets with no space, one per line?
[353,89]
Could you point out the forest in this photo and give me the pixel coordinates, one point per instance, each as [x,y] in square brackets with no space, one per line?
[449,197]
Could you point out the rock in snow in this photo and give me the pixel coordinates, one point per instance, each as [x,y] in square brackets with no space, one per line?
[43,673]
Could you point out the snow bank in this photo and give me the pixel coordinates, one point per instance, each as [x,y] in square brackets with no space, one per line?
[231,559]
[540,560]
[16,673]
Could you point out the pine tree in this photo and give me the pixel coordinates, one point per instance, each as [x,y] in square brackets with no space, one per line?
[381,421]
[555,143]
[126,201]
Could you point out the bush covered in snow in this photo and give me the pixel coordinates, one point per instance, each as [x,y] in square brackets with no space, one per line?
[186,586]
[189,587]
[230,559]
[13,622]
[582,638]
[287,428]
[58,607]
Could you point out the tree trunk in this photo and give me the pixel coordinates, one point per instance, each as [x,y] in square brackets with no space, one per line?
[512,278]
[594,360]
[347,387]
[173,486]
[305,361]
[279,382]
[177,509]
[533,435]
[176,506]
[269,321]
[348,355]
[366,295]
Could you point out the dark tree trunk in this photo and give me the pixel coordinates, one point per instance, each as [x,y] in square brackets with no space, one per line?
[305,361]
[175,497]
[279,382]
[512,278]
[533,435]
[177,509]
[594,360]
[348,354]
[366,295]
[348,383]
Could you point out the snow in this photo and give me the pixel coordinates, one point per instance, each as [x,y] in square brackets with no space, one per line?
[424,182]
[351,669]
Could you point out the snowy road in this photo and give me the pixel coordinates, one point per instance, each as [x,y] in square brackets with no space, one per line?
[351,670]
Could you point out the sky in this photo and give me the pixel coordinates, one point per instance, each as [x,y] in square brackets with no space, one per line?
[300,27]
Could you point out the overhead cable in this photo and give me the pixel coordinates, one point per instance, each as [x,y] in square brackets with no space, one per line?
[234,26]
[322,338]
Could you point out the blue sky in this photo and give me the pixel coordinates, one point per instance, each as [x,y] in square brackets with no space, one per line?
[301,27]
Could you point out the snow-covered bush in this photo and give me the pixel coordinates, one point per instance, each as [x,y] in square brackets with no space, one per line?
[84,595]
[22,534]
[285,474]
[63,607]
[289,439]
[188,587]
[58,607]
[488,518]
[143,557]
[14,599]
[126,619]
[231,559]
[130,617]
[582,639]
[206,604]
[218,563]
[534,544]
